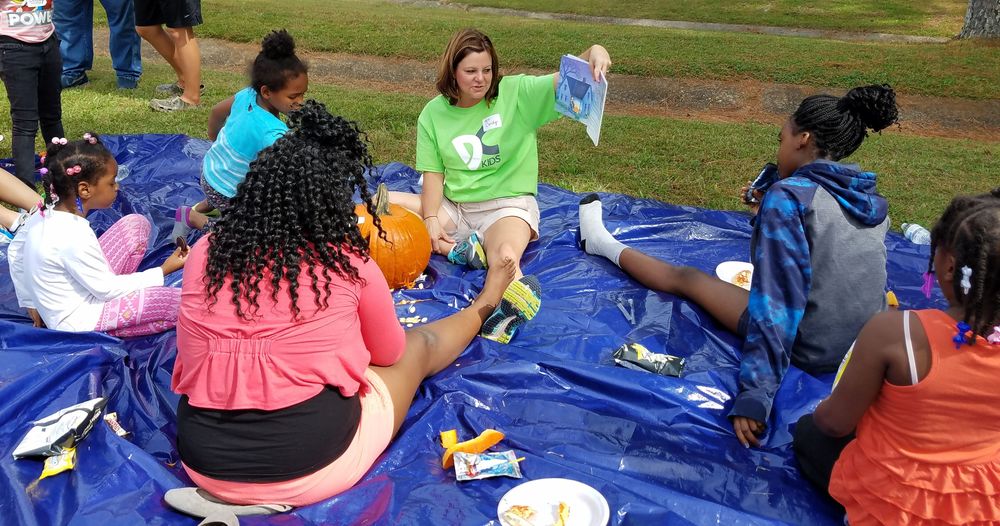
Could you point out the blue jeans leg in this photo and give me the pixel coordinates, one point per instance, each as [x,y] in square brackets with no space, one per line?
[125,43]
[74,21]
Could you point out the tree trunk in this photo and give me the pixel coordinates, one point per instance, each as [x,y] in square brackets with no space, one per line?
[982,20]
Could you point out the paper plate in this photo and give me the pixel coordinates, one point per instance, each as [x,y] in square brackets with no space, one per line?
[587,506]
[727,271]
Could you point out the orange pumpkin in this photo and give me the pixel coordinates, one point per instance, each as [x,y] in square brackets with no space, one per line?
[405,252]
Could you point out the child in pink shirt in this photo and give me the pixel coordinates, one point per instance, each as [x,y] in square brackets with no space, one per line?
[293,371]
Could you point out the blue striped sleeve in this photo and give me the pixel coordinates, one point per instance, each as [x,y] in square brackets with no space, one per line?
[781,281]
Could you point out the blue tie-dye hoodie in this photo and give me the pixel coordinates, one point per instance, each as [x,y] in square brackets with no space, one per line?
[818,250]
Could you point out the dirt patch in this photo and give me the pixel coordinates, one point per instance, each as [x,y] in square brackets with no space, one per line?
[696,99]
[828,34]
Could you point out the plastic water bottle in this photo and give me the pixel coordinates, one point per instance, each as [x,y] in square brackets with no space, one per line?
[916,233]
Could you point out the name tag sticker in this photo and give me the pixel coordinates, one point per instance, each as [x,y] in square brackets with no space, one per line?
[491,122]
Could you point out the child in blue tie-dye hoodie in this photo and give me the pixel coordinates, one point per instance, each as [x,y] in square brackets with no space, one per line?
[818,249]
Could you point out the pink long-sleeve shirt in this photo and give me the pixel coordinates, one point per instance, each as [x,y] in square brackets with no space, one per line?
[226,362]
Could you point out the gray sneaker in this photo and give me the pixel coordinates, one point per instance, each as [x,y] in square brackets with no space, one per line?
[172,90]
[170,105]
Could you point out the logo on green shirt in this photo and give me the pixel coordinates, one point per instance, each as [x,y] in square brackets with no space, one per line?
[472,150]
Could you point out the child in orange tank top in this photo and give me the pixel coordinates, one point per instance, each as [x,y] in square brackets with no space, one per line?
[919,392]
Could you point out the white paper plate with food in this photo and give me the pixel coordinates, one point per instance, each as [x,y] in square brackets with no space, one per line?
[739,273]
[553,502]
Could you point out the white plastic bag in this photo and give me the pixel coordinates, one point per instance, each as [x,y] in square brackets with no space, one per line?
[62,429]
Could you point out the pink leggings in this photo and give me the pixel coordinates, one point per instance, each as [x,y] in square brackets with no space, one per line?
[145,311]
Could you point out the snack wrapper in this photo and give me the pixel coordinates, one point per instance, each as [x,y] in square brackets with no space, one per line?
[63,429]
[636,356]
[112,420]
[470,466]
[56,464]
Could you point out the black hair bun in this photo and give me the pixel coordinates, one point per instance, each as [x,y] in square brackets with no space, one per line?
[278,45]
[874,105]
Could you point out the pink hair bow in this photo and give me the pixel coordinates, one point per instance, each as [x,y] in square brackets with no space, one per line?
[995,337]
[73,170]
[59,140]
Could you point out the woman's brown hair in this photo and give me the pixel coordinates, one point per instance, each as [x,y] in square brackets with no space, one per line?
[463,42]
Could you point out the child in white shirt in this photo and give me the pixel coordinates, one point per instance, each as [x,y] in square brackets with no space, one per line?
[77,281]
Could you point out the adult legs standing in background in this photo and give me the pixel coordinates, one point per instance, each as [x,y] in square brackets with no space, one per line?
[74,20]
[31,74]
[177,44]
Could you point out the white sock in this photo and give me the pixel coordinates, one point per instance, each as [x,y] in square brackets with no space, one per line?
[594,237]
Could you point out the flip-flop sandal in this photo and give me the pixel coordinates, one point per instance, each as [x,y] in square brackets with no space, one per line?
[200,503]
[519,304]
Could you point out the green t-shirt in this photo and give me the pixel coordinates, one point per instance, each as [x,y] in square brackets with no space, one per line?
[487,152]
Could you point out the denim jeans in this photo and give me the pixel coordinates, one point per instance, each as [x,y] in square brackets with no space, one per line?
[31,74]
[74,21]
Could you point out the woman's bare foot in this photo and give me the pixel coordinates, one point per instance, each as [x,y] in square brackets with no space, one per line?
[498,277]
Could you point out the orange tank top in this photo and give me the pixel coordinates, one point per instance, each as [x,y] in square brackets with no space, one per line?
[929,452]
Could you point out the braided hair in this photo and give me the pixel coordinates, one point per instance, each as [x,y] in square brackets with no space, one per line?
[969,229]
[839,124]
[88,154]
[295,210]
[276,63]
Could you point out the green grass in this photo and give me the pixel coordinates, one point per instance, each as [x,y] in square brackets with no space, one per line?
[929,18]
[956,69]
[681,162]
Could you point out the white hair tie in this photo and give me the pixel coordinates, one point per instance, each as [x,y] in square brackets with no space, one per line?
[966,283]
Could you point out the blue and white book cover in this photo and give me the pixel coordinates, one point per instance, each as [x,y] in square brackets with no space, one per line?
[579,96]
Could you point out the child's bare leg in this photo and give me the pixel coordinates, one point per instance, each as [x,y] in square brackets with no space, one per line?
[724,301]
[197,219]
[433,347]
[15,192]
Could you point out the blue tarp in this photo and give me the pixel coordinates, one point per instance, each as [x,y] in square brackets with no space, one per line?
[659,449]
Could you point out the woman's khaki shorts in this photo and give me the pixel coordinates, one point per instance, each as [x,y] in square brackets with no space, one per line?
[480,216]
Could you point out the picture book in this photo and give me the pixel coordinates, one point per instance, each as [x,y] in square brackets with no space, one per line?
[579,96]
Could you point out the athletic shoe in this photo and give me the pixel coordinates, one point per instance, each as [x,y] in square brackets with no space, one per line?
[520,303]
[469,252]
[170,105]
[172,89]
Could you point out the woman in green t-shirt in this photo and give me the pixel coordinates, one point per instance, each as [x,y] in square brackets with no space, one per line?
[477,149]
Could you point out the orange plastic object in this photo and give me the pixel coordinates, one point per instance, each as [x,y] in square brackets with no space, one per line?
[484,441]
[449,438]
[890,299]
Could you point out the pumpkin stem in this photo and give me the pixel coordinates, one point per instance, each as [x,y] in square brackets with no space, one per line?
[381,200]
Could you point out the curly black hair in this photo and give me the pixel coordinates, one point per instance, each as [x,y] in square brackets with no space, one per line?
[89,154]
[295,210]
[276,63]
[839,124]
[969,229]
